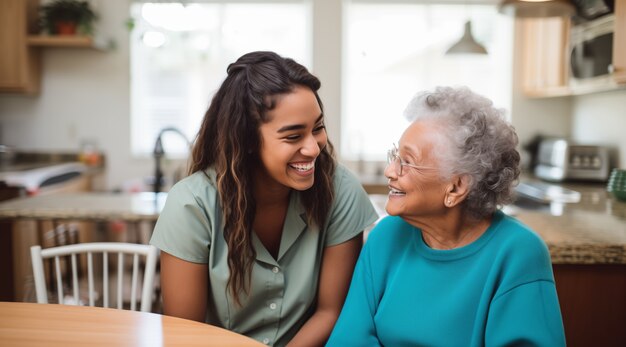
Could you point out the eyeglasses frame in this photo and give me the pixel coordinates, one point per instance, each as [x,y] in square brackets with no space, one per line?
[393,158]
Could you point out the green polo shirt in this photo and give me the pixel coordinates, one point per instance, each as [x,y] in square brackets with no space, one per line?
[283,291]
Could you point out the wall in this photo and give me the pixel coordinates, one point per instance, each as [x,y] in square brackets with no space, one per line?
[601,119]
[85,95]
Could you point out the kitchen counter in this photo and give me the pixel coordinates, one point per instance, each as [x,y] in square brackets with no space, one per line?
[592,231]
[86,206]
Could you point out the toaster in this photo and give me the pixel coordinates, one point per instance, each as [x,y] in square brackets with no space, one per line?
[560,160]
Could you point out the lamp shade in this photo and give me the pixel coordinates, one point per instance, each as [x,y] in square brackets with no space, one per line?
[467,44]
[537,8]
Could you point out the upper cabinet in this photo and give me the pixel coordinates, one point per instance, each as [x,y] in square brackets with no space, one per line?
[619,46]
[545,61]
[559,58]
[19,62]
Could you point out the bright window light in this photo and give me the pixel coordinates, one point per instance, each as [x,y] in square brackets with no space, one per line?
[392,51]
[179,55]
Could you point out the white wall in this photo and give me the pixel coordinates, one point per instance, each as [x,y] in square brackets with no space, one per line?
[85,96]
[601,119]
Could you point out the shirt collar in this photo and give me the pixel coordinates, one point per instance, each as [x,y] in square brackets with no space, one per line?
[295,224]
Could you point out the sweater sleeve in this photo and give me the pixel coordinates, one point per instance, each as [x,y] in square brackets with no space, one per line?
[355,326]
[527,315]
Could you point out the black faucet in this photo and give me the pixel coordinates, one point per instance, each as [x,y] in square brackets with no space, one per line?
[160,153]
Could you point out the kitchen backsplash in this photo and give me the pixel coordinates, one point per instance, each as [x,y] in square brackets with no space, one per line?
[601,119]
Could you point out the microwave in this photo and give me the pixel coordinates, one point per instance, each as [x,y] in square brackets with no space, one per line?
[591,53]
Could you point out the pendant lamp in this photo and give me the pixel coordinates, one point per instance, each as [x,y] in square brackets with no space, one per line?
[537,8]
[467,43]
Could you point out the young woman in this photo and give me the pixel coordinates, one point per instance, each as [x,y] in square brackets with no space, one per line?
[263,236]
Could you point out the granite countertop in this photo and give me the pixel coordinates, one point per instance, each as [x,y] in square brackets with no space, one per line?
[86,206]
[592,231]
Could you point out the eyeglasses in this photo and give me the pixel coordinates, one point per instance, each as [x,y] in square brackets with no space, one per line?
[394,159]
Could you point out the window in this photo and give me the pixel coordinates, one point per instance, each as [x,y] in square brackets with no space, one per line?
[393,51]
[179,55]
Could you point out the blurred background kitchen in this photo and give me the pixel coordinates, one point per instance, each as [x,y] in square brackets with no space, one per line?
[114,108]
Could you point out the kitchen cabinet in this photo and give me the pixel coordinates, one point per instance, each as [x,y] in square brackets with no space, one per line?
[545,56]
[545,61]
[619,43]
[19,62]
[593,304]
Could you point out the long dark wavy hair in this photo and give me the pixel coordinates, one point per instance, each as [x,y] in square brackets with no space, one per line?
[229,140]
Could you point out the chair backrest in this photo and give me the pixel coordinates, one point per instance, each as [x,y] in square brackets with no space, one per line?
[120,248]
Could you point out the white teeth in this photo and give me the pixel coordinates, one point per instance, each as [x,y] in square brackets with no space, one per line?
[303,167]
[393,191]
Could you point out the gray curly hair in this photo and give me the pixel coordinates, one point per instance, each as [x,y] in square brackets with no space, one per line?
[477,142]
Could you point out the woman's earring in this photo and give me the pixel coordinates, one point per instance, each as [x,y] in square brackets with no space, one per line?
[449,202]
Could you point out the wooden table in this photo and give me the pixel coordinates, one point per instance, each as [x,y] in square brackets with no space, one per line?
[27,324]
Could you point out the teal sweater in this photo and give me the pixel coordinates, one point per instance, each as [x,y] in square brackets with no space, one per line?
[497,291]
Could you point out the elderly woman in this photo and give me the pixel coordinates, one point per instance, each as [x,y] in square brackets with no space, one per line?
[447,268]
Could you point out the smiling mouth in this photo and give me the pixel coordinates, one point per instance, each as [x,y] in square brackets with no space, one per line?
[394,191]
[303,167]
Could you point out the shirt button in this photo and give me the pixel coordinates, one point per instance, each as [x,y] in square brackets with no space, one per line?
[273,306]
[275,269]
[266,341]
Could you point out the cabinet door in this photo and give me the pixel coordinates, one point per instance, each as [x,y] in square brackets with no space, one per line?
[544,53]
[19,64]
[619,42]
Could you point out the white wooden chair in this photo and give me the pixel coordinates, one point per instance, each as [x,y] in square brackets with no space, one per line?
[72,251]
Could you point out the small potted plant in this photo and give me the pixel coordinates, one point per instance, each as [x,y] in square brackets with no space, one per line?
[67,17]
